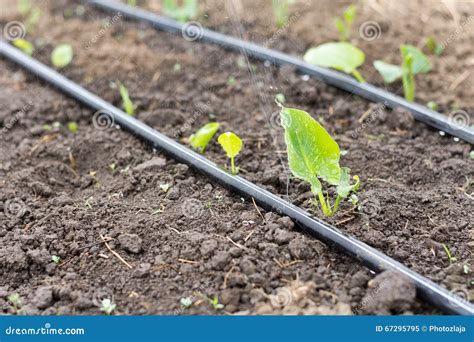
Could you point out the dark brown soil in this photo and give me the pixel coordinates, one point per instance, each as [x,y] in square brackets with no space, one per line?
[62,191]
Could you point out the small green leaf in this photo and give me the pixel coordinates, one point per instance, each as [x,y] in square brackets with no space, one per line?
[232,145]
[312,153]
[183,13]
[421,63]
[341,56]
[127,104]
[432,105]
[62,55]
[350,14]
[389,72]
[72,127]
[24,46]
[344,187]
[280,11]
[203,136]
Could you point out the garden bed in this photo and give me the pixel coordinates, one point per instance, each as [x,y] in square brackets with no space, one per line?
[414,196]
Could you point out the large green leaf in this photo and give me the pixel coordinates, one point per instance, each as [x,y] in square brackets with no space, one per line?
[312,153]
[340,56]
[389,72]
[201,138]
[421,63]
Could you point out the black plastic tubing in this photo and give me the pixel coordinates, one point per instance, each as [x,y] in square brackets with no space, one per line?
[196,32]
[367,255]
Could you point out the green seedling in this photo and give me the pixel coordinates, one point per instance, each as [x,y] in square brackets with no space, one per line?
[186,302]
[127,103]
[55,259]
[280,98]
[280,12]
[466,269]
[314,155]
[24,46]
[448,253]
[72,127]
[62,55]
[433,106]
[188,10]
[232,145]
[107,306]
[231,81]
[24,6]
[177,68]
[414,62]
[433,46]
[15,301]
[165,187]
[344,24]
[215,303]
[471,154]
[30,13]
[203,136]
[341,56]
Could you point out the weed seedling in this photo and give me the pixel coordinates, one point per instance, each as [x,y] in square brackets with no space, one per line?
[183,13]
[448,253]
[341,56]
[62,55]
[344,23]
[232,145]
[55,259]
[433,46]
[107,306]
[314,155]
[165,187]
[203,136]
[186,302]
[127,104]
[72,127]
[280,12]
[15,300]
[24,46]
[414,62]
[215,303]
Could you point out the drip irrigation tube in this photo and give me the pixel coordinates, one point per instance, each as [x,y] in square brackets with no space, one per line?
[369,256]
[193,31]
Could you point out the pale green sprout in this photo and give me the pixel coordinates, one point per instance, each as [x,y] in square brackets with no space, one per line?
[408,78]
[344,24]
[215,303]
[165,187]
[232,145]
[432,105]
[56,259]
[72,127]
[280,98]
[203,136]
[433,46]
[186,302]
[449,255]
[281,12]
[314,155]
[188,9]
[341,56]
[471,154]
[15,300]
[24,46]
[107,306]
[62,55]
[127,103]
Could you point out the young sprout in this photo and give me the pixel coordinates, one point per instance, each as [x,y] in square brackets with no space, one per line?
[72,127]
[280,98]
[344,24]
[203,136]
[313,156]
[215,303]
[280,11]
[433,46]
[30,13]
[448,253]
[127,104]
[177,68]
[341,56]
[24,46]
[15,300]
[188,9]
[62,55]
[55,259]
[231,81]
[186,302]
[414,62]
[471,154]
[107,306]
[232,145]
[466,269]
[165,187]
[432,105]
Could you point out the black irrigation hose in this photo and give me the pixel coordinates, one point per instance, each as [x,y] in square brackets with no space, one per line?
[369,256]
[195,32]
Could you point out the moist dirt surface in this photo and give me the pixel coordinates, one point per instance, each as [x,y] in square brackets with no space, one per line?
[182,236]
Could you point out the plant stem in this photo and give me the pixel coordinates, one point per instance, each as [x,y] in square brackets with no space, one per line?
[233,165]
[358,76]
[336,204]
[326,209]
[408,78]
